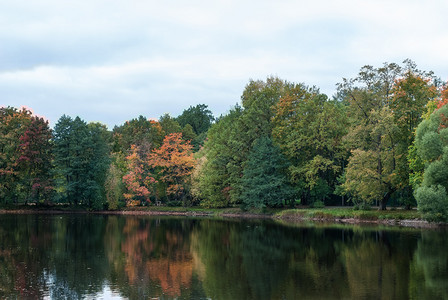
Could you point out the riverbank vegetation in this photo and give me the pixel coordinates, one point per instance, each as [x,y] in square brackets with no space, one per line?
[382,139]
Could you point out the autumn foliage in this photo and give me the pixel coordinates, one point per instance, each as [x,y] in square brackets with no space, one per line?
[138,180]
[171,164]
[174,163]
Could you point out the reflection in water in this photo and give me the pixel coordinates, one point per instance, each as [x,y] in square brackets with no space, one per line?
[78,256]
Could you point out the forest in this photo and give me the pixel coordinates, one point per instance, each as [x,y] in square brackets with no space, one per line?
[381,140]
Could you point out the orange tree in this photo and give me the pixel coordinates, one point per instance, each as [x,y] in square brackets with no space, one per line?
[137,180]
[173,163]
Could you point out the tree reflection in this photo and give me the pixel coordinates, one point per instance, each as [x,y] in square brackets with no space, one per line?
[152,257]
[429,271]
[77,256]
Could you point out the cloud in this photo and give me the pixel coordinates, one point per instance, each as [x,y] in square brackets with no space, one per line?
[113,60]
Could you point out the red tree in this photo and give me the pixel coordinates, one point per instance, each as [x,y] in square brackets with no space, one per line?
[35,158]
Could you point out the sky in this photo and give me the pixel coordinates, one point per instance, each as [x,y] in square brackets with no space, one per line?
[113,60]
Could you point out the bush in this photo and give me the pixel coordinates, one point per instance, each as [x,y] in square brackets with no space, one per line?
[432,203]
[362,206]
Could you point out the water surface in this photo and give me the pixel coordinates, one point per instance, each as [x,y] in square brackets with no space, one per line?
[138,257]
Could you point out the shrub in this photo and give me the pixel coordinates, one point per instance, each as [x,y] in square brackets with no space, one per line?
[432,203]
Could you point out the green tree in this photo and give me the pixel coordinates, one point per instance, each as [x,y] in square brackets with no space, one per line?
[372,134]
[258,100]
[411,93]
[113,185]
[63,157]
[199,117]
[309,129]
[141,132]
[264,180]
[432,146]
[79,168]
[188,133]
[98,166]
[214,180]
[384,106]
[169,124]
[231,138]
[370,171]
[81,161]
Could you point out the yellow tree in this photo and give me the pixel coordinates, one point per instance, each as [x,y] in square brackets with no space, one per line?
[173,162]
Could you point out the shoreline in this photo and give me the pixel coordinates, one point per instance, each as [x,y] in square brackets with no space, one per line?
[234,214]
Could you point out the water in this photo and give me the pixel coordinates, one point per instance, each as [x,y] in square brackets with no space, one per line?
[130,257]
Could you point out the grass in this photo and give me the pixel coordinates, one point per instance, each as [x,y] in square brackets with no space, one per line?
[332,213]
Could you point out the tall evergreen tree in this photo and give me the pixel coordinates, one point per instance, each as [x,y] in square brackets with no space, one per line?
[264,181]
[99,162]
[81,161]
[63,157]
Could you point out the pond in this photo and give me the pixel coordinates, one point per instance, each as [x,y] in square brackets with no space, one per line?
[141,257]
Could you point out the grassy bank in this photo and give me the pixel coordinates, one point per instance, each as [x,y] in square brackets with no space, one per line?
[337,213]
[329,214]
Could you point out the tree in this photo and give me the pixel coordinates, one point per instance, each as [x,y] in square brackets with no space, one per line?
[137,180]
[372,135]
[173,162]
[264,181]
[231,138]
[13,125]
[79,168]
[432,147]
[199,117]
[370,171]
[188,133]
[384,106]
[410,94]
[195,179]
[113,184]
[309,130]
[141,132]
[169,125]
[35,161]
[98,165]
[63,157]
[81,161]
[258,100]
[214,179]
[113,187]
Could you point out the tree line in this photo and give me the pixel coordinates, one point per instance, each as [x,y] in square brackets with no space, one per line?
[380,140]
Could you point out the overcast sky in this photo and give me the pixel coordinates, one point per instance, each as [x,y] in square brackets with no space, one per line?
[113,60]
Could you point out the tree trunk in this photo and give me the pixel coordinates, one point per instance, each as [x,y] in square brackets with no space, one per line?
[385,200]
